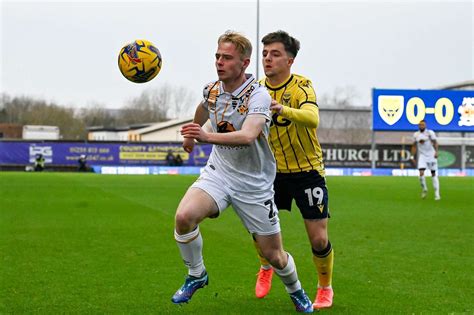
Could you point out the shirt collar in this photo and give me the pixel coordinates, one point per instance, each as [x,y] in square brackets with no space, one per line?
[241,90]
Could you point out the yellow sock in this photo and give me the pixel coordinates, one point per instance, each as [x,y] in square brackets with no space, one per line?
[324,262]
[263,261]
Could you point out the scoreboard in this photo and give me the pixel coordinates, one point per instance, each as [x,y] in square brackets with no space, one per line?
[443,110]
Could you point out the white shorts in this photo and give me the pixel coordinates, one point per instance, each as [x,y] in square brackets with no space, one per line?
[256,210]
[427,163]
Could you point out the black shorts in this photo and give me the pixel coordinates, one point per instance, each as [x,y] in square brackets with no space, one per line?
[309,191]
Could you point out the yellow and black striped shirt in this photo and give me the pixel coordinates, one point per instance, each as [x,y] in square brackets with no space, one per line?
[295,145]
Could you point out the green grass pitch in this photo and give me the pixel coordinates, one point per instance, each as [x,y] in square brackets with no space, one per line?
[85,243]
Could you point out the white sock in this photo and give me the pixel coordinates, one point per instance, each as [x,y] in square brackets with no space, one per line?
[436,184]
[190,247]
[423,183]
[289,276]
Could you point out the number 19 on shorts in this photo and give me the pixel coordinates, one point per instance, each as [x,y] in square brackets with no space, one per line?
[314,193]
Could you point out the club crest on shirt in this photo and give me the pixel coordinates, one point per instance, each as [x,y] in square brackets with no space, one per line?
[305,83]
[242,109]
[286,98]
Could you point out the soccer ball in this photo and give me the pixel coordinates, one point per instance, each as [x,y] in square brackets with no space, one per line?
[139,61]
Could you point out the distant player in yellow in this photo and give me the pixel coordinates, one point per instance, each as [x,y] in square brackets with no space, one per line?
[300,169]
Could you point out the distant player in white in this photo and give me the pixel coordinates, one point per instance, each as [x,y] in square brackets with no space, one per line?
[240,171]
[427,146]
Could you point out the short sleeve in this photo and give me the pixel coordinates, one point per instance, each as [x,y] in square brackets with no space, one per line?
[206,93]
[259,102]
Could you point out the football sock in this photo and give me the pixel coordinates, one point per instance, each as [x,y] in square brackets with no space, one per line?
[263,262]
[324,261]
[436,184]
[423,183]
[289,276]
[190,247]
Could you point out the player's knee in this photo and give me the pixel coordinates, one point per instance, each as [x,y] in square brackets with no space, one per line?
[184,220]
[277,259]
[319,243]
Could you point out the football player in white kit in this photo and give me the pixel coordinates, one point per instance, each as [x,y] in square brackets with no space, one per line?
[427,146]
[240,170]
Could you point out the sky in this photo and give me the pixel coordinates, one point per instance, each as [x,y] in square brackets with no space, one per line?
[66,51]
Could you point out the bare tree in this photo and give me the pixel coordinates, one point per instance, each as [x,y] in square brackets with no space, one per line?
[342,121]
[183,102]
[342,97]
[150,106]
[97,115]
[159,104]
[15,110]
[29,111]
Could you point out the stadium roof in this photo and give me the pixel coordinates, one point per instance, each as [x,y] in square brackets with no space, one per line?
[120,128]
[163,125]
[464,85]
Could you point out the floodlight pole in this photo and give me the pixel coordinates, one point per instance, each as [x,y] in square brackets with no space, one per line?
[257,49]
[373,151]
[463,152]
[372,146]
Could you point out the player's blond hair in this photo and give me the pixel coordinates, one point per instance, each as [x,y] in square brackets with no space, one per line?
[242,44]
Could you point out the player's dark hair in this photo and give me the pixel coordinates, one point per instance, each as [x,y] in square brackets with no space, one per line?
[292,45]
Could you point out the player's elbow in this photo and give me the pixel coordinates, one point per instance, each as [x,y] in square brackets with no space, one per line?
[248,139]
[313,124]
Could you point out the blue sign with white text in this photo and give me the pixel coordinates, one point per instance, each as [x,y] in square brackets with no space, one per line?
[68,153]
[443,110]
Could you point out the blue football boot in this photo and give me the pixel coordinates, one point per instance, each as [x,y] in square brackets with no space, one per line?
[191,285]
[302,303]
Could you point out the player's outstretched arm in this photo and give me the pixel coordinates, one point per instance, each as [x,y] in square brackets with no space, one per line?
[307,115]
[251,129]
[200,117]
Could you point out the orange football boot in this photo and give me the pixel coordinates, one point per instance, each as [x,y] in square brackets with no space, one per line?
[264,282]
[323,298]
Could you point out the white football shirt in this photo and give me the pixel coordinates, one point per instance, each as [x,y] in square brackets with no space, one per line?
[244,168]
[424,143]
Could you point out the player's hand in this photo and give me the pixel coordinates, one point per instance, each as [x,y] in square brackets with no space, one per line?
[276,107]
[188,144]
[194,131]
[436,155]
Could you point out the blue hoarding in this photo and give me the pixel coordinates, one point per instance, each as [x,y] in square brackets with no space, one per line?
[443,110]
[67,153]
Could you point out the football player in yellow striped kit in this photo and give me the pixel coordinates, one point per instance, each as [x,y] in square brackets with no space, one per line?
[300,168]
